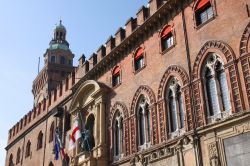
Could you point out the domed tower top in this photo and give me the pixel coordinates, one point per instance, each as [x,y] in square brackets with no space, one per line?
[60,32]
[59,41]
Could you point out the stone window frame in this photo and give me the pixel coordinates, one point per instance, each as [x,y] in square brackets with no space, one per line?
[118,117]
[114,74]
[172,85]
[144,60]
[28,149]
[213,5]
[18,156]
[164,51]
[231,68]
[212,59]
[143,106]
[40,140]
[120,106]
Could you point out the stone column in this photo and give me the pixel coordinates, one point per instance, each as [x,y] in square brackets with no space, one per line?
[102,123]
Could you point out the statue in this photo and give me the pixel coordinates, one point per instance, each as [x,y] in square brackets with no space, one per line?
[87,140]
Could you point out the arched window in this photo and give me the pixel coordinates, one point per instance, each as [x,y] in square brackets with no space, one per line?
[167,38]
[11,160]
[139,61]
[18,156]
[203,11]
[143,121]
[116,76]
[51,164]
[175,108]
[53,59]
[40,140]
[51,132]
[62,60]
[216,89]
[118,135]
[27,150]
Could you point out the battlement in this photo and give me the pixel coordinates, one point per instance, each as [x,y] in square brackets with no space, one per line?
[62,91]
[122,34]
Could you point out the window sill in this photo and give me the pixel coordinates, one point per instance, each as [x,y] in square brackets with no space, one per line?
[114,87]
[176,133]
[197,27]
[138,70]
[218,117]
[144,146]
[166,50]
[118,157]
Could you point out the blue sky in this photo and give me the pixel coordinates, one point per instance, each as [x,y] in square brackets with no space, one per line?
[26,27]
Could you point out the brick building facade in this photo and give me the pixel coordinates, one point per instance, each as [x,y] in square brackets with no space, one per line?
[170,88]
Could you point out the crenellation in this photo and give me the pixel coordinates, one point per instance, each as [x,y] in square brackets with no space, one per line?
[17,127]
[154,5]
[93,60]
[130,26]
[101,52]
[119,36]
[34,113]
[110,44]
[86,67]
[142,15]
[82,60]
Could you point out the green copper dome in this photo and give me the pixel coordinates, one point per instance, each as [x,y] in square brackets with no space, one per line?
[60,26]
[62,46]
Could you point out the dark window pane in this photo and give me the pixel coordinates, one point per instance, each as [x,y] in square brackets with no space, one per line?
[167,42]
[204,14]
[116,80]
[139,63]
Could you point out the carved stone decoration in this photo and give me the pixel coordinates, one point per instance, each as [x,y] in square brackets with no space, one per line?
[179,73]
[244,40]
[228,56]
[214,44]
[147,91]
[118,106]
[245,58]
[243,128]
[123,109]
[149,94]
[213,154]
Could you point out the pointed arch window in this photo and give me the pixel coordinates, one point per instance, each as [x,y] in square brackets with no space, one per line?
[51,132]
[11,160]
[216,89]
[143,123]
[176,115]
[40,140]
[18,156]
[116,76]
[203,12]
[167,38]
[118,135]
[28,149]
[139,60]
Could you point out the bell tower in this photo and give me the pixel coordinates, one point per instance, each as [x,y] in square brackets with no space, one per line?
[58,63]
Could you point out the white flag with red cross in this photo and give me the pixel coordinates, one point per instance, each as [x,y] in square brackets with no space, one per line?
[75,135]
